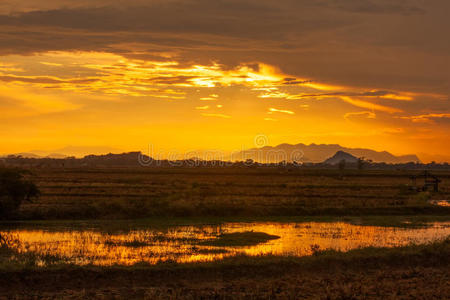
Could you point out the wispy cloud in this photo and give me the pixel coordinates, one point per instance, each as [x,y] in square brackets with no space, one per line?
[397,130]
[212,97]
[370,105]
[216,115]
[275,110]
[401,96]
[50,64]
[427,117]
[367,114]
[202,107]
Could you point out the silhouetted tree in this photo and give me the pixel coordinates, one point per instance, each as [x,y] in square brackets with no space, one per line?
[14,189]
[249,162]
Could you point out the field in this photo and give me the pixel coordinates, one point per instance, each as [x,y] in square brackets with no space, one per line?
[219,192]
[111,208]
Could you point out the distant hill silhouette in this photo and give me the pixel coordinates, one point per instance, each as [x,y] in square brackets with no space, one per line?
[34,155]
[341,156]
[137,159]
[317,153]
[123,159]
[56,155]
[77,151]
[27,155]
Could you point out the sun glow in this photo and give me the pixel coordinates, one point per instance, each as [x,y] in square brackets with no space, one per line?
[81,84]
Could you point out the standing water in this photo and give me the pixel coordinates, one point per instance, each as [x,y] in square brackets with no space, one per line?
[197,243]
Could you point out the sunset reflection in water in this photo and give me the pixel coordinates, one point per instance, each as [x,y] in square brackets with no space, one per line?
[181,244]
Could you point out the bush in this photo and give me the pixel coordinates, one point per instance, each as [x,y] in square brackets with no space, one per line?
[14,189]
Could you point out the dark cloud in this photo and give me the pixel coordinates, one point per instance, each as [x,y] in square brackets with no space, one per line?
[172,80]
[408,7]
[377,93]
[44,80]
[206,17]
[29,80]
[349,94]
[384,44]
[294,81]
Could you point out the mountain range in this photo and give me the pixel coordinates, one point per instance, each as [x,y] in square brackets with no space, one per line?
[317,153]
[313,153]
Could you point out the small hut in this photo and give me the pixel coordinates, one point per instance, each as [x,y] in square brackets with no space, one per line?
[430,182]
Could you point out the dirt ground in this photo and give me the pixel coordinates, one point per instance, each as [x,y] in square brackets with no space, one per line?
[237,282]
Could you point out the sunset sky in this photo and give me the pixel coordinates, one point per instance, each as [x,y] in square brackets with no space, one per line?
[184,75]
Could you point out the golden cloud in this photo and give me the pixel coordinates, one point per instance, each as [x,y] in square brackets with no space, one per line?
[216,115]
[426,118]
[274,110]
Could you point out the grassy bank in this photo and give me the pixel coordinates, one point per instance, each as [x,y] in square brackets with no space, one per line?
[162,223]
[416,271]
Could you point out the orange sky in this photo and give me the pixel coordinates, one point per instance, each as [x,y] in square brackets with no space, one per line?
[184,75]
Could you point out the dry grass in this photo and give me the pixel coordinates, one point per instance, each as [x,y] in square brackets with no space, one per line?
[139,193]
